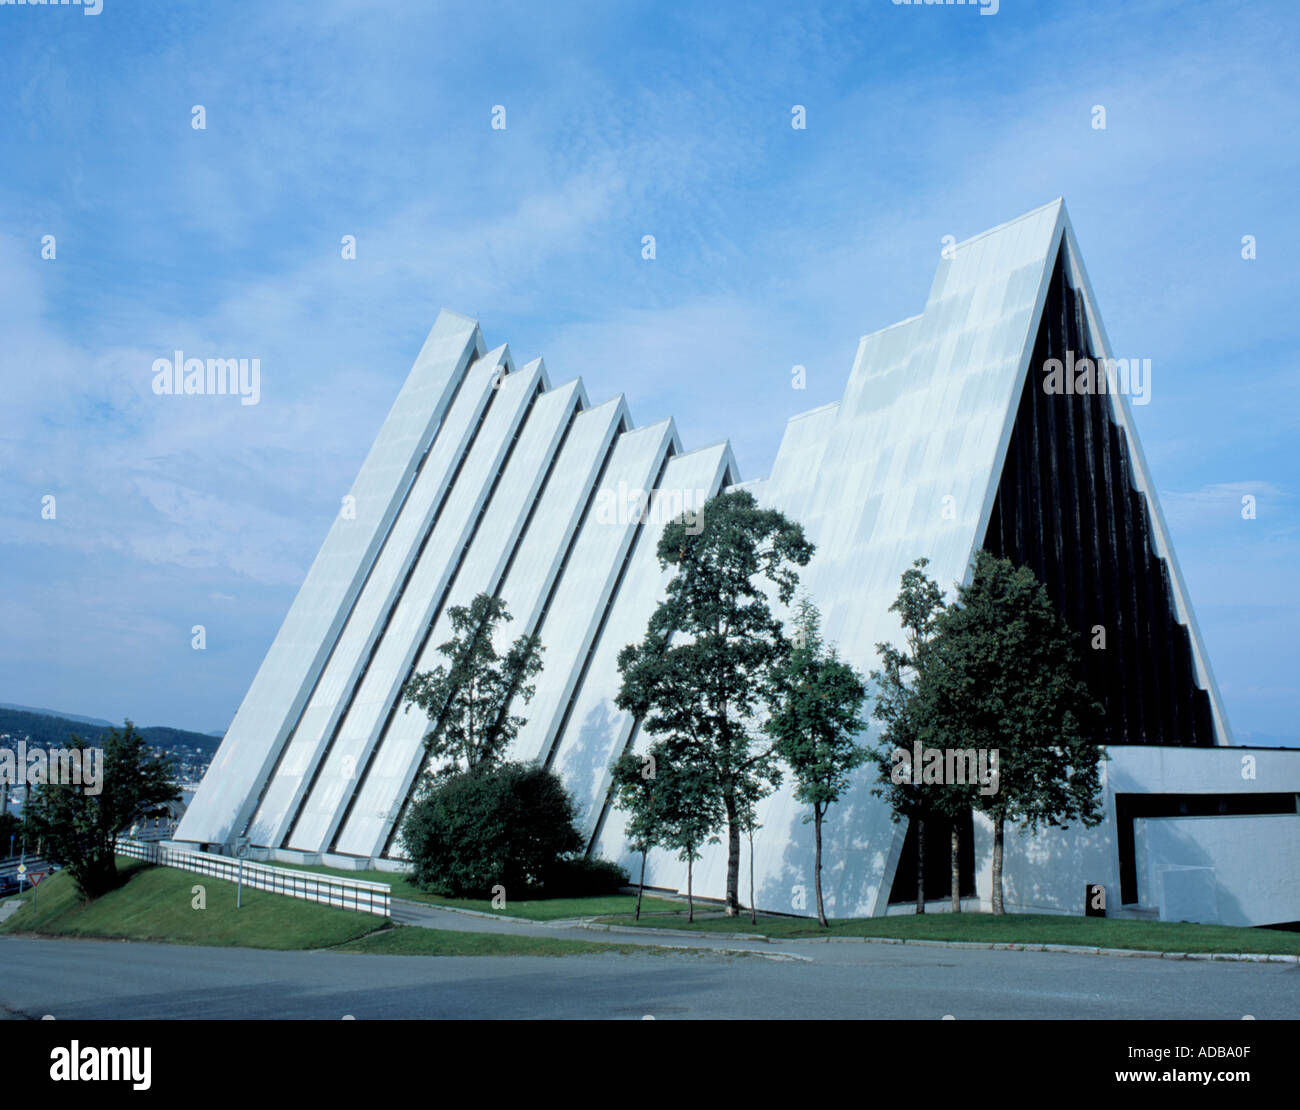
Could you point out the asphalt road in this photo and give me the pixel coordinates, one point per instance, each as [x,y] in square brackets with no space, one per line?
[75,979]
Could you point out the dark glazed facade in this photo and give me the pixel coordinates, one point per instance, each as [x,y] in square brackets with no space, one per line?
[1066,507]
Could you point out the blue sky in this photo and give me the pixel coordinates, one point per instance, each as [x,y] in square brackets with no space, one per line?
[775,247]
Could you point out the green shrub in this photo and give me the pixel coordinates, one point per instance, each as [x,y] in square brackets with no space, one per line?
[504,826]
[581,877]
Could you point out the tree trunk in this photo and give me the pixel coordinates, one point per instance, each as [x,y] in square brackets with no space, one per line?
[690,900]
[817,867]
[733,857]
[99,876]
[640,888]
[997,865]
[753,908]
[955,860]
[920,864]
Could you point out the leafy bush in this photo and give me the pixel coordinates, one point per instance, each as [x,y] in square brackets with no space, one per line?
[506,825]
[578,878]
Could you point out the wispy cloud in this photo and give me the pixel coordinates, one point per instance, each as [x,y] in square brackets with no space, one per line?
[775,247]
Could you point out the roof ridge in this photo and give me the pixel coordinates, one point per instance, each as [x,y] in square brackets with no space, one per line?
[1059,202]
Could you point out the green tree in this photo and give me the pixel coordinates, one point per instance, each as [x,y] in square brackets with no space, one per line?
[1002,675]
[698,676]
[752,789]
[814,722]
[670,804]
[78,829]
[919,604]
[688,807]
[468,701]
[633,780]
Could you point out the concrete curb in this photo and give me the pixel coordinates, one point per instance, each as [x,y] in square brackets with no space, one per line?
[997,946]
[635,930]
[1087,950]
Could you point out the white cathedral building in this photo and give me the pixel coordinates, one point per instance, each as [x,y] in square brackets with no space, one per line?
[487,478]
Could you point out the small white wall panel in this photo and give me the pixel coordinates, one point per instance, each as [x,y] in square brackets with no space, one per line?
[1230,870]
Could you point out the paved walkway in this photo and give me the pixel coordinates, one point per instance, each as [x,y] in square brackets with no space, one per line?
[441,917]
[467,921]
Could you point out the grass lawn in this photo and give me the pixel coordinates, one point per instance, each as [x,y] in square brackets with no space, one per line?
[156,904]
[535,909]
[1010,928]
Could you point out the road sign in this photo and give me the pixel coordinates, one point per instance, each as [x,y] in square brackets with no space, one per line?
[22,869]
[36,876]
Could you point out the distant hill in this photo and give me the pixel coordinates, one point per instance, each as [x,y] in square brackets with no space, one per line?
[55,713]
[50,730]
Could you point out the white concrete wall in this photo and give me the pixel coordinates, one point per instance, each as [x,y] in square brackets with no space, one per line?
[1047,872]
[1148,770]
[1256,859]
[1250,864]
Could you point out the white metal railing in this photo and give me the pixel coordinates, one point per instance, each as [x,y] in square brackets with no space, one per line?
[311,886]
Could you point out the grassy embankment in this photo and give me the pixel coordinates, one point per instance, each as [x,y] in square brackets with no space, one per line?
[537,909]
[157,904]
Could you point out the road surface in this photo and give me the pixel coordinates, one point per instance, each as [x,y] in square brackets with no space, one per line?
[77,979]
